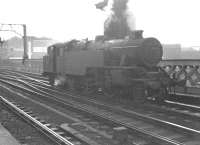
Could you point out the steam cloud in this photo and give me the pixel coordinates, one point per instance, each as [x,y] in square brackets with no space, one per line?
[120,22]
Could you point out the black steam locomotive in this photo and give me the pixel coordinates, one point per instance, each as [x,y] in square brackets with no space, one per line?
[122,66]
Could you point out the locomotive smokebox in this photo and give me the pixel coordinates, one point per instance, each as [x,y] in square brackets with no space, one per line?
[137,34]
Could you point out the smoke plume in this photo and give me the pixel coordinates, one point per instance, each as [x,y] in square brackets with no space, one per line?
[117,25]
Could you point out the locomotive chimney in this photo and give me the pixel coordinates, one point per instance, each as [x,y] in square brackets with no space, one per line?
[137,34]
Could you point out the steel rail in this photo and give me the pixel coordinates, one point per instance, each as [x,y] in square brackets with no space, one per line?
[26,74]
[59,139]
[158,138]
[135,113]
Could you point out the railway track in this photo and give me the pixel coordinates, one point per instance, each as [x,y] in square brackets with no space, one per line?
[190,99]
[83,121]
[129,122]
[54,134]
[170,106]
[25,75]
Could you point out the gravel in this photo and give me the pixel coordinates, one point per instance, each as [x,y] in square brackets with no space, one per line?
[23,132]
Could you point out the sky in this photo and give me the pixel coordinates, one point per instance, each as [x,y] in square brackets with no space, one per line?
[170,21]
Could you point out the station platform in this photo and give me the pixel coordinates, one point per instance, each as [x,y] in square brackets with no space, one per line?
[6,138]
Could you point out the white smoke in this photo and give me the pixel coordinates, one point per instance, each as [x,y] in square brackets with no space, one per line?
[60,80]
[130,18]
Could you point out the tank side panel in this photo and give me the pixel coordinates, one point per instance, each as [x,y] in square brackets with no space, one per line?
[77,62]
[48,64]
[62,65]
[51,62]
[59,65]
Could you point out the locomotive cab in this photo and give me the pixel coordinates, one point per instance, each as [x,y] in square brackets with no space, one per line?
[51,61]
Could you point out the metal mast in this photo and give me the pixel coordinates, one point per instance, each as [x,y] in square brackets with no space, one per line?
[24,36]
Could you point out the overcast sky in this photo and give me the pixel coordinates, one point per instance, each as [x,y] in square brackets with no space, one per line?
[171,21]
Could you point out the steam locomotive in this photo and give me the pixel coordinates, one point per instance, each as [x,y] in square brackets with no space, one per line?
[122,66]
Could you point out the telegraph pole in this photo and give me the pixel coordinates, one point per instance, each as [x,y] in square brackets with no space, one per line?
[24,36]
[25,56]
